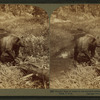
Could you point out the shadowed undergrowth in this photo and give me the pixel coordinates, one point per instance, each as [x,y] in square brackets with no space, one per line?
[67,24]
[32,65]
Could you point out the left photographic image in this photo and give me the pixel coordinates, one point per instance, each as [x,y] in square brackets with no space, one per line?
[24,47]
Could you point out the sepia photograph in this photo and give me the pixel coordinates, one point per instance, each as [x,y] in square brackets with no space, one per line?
[24,49]
[75,47]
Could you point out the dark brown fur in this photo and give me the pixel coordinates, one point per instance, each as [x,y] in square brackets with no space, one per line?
[86,45]
[10,45]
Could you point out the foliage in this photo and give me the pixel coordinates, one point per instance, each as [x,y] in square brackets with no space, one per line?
[32,23]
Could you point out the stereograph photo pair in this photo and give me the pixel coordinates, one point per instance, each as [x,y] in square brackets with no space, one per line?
[57,52]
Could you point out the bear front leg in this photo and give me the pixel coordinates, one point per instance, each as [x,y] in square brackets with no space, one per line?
[11,54]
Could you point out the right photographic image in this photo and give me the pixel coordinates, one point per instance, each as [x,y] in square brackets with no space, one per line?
[75,47]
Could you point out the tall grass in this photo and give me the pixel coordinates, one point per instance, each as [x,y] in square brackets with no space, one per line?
[68,23]
[77,78]
[32,23]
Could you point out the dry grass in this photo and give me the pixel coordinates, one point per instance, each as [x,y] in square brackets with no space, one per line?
[68,23]
[13,77]
[77,78]
[33,27]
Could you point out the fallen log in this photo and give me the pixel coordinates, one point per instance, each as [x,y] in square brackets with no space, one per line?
[36,70]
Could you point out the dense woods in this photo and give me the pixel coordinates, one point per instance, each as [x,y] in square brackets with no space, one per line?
[94,10]
[20,9]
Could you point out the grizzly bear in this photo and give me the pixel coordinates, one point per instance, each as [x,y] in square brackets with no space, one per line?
[10,45]
[86,45]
